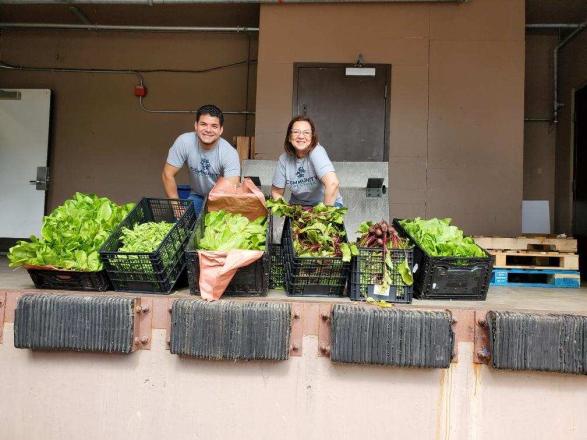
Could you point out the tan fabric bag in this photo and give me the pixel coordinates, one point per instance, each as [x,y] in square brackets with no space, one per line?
[217,268]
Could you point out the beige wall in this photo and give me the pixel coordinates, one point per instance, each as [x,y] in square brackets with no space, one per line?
[101,141]
[539,136]
[457,97]
[572,75]
[154,395]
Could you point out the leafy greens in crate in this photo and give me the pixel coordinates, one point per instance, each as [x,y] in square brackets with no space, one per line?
[441,239]
[224,231]
[72,235]
[317,231]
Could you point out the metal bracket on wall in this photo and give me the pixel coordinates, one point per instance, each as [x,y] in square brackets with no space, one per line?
[168,325]
[142,323]
[481,353]
[296,335]
[2,308]
[324,324]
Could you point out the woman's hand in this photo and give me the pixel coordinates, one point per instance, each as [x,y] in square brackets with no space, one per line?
[277,193]
[331,184]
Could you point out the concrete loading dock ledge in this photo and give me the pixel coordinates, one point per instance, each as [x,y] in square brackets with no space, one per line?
[310,395]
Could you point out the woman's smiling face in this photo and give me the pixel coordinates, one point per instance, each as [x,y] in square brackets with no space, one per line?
[300,136]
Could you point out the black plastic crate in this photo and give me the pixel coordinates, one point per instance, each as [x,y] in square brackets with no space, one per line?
[157,271]
[251,280]
[276,271]
[367,270]
[459,278]
[312,276]
[69,280]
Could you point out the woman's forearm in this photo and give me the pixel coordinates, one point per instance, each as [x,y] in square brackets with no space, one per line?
[330,193]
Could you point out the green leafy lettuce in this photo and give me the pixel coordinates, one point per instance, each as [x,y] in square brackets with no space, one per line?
[144,237]
[224,231]
[317,231]
[439,238]
[72,235]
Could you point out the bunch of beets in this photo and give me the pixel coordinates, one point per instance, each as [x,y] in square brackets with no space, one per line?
[381,235]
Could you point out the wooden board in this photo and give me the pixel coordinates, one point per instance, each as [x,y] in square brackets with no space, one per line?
[252,148]
[530,242]
[243,147]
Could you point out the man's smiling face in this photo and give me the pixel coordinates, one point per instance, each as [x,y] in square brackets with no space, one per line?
[208,130]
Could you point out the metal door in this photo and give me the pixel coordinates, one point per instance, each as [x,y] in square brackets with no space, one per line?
[24,140]
[351,112]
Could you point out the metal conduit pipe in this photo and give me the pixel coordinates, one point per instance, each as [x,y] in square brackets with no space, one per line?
[562,44]
[245,113]
[578,27]
[102,27]
[537,120]
[553,25]
[113,72]
[157,2]
[207,28]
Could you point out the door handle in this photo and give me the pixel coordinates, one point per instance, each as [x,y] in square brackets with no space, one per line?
[42,181]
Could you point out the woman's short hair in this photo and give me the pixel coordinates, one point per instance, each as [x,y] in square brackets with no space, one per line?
[288,147]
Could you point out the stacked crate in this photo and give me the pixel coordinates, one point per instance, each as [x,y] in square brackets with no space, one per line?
[533,261]
[157,271]
[311,276]
[367,271]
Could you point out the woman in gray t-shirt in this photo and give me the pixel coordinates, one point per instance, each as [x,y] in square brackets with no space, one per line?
[305,168]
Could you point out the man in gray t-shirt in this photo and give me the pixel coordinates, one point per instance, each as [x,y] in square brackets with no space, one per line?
[208,157]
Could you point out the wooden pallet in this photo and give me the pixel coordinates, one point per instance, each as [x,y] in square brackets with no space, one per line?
[536,278]
[535,260]
[540,243]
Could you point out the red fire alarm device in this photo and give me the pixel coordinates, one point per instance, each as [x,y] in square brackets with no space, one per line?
[140,91]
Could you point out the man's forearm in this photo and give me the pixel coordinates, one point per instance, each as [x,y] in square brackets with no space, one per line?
[235,180]
[170,187]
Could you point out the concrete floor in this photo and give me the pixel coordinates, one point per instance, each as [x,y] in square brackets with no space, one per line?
[498,298]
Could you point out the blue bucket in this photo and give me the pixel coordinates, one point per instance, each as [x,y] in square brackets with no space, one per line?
[183,191]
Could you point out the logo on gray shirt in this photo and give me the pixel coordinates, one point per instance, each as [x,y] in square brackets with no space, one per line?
[300,172]
[204,169]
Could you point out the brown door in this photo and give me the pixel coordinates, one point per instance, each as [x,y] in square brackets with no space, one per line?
[351,112]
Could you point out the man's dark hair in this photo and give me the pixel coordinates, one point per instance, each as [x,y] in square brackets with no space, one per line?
[211,110]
